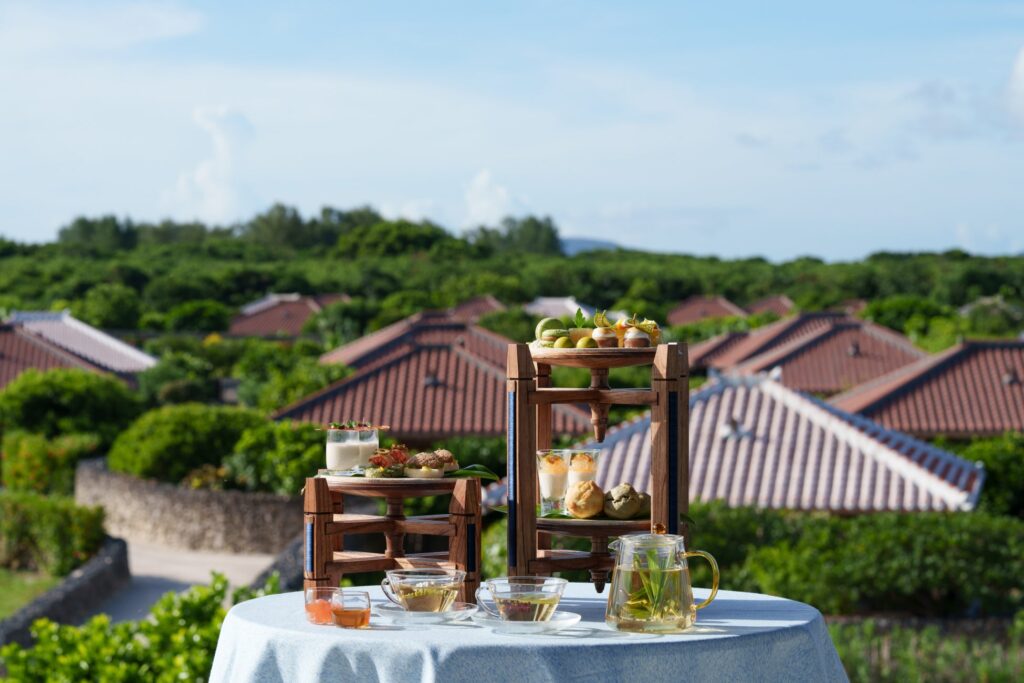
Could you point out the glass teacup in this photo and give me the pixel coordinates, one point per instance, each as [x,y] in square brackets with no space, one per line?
[423,590]
[522,598]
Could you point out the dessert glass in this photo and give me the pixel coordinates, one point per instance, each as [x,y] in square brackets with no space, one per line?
[348,449]
[582,465]
[553,478]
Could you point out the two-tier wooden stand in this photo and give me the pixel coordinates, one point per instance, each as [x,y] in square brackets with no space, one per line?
[530,397]
[326,524]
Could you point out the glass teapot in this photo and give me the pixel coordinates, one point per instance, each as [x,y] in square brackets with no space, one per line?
[651,589]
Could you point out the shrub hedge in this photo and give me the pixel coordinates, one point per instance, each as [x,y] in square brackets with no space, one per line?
[67,401]
[31,462]
[175,643]
[169,442]
[276,457]
[47,533]
[925,564]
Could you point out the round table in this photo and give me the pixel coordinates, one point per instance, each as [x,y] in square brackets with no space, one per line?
[740,636]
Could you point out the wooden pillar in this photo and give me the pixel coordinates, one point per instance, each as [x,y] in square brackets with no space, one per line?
[394,539]
[670,439]
[317,513]
[464,547]
[522,461]
[543,436]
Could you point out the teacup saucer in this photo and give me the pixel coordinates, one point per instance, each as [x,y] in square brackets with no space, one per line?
[458,612]
[558,622]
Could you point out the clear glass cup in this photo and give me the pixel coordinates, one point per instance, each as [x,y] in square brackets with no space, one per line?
[318,605]
[522,598]
[582,465]
[423,590]
[348,449]
[351,609]
[553,478]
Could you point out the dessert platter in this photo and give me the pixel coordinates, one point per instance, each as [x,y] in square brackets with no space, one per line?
[596,343]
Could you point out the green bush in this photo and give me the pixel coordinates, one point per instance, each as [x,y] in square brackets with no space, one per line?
[47,533]
[276,457]
[872,654]
[1003,458]
[169,442]
[179,377]
[66,401]
[204,315]
[175,643]
[31,462]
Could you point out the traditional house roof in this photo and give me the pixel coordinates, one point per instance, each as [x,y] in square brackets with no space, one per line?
[779,304]
[974,389]
[698,308]
[473,309]
[84,341]
[429,376]
[279,315]
[22,349]
[832,359]
[703,353]
[770,336]
[755,442]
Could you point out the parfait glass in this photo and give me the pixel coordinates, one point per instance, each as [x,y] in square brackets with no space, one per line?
[553,478]
[349,449]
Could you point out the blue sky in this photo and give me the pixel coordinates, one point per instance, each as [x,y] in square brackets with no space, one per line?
[776,129]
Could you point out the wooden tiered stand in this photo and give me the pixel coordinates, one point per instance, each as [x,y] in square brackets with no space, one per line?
[326,524]
[530,397]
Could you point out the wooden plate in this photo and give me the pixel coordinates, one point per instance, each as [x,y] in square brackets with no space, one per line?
[593,358]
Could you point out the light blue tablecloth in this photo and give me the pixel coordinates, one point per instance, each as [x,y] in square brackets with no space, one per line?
[739,637]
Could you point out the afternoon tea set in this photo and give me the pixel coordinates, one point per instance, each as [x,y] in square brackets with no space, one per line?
[550,491]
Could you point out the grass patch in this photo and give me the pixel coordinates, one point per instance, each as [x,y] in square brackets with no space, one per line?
[17,589]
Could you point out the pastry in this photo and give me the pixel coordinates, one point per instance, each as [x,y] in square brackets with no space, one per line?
[584,499]
[645,505]
[622,502]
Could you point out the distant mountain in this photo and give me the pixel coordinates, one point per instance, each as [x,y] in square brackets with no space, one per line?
[575,245]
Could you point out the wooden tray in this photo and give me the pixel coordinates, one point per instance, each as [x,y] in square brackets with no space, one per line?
[593,358]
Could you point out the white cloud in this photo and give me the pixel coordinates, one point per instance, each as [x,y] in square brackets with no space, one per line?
[1016,87]
[31,28]
[487,202]
[210,191]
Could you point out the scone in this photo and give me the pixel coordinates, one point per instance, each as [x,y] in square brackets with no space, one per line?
[584,499]
[622,502]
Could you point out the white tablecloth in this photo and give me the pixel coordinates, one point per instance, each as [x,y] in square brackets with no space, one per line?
[739,637]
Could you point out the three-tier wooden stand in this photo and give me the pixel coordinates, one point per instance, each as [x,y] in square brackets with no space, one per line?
[326,523]
[530,397]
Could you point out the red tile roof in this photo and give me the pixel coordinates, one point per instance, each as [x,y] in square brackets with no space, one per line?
[698,308]
[22,349]
[755,442]
[473,309]
[973,389]
[779,304]
[429,377]
[770,336]
[85,341]
[278,315]
[703,353]
[835,358]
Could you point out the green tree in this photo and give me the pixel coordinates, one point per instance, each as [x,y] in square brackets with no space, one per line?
[97,236]
[1003,457]
[895,311]
[110,305]
[205,315]
[65,401]
[178,378]
[513,323]
[391,238]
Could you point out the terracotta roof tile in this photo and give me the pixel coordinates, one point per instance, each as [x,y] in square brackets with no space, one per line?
[703,353]
[85,341]
[779,304]
[472,309]
[755,442]
[698,308]
[279,314]
[22,349]
[973,389]
[835,358]
[772,335]
[428,376]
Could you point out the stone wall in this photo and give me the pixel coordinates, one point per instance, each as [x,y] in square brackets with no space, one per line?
[155,512]
[77,596]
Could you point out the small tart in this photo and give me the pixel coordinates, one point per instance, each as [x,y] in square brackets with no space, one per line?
[423,473]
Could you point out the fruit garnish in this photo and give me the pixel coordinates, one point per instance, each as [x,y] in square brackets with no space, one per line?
[357,426]
[652,330]
[601,319]
[580,320]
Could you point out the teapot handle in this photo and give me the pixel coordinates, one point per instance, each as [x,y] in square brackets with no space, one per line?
[714,573]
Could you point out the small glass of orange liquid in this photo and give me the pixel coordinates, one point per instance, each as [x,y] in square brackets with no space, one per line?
[318,605]
[351,609]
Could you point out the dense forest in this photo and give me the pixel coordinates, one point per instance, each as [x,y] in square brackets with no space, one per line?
[122,275]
